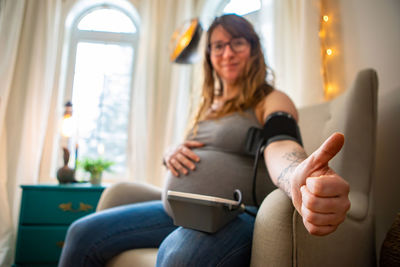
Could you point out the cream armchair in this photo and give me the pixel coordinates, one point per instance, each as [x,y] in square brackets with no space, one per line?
[280,238]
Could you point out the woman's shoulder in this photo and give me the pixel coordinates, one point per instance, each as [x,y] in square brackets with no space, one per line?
[275,101]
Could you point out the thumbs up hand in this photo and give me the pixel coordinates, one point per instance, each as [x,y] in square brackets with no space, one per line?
[319,194]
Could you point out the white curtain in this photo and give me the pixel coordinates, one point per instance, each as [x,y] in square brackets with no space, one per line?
[30,37]
[161,88]
[11,16]
[294,45]
[28,31]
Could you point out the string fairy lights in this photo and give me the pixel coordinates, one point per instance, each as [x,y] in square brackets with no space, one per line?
[327,53]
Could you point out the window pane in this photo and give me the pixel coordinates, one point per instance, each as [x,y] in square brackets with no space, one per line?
[101,97]
[241,7]
[108,20]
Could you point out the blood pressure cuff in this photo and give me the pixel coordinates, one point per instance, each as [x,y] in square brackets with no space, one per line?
[278,126]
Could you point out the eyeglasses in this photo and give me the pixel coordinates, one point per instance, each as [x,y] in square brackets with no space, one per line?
[237,45]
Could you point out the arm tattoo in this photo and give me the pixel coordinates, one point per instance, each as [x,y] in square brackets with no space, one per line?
[293,158]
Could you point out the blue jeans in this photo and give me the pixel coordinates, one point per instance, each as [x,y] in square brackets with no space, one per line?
[96,238]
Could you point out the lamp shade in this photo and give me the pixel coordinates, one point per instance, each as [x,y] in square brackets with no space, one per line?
[184,42]
[67,124]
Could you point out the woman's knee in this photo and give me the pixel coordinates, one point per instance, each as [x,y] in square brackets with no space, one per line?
[231,246]
[81,231]
[175,250]
[78,242]
[182,254]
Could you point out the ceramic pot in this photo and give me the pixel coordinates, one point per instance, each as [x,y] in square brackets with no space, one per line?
[66,175]
[95,178]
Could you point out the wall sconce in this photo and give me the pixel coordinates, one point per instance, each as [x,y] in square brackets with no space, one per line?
[184,42]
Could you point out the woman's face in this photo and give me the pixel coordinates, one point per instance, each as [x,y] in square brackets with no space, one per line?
[229,64]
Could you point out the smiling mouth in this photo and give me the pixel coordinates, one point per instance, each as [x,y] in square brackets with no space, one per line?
[230,65]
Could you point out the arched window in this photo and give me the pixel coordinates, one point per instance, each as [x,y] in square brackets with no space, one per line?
[241,7]
[250,9]
[102,48]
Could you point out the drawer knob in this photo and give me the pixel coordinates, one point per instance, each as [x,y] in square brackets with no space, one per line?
[68,207]
[60,244]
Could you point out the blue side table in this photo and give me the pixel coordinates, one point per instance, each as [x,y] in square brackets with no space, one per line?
[46,212]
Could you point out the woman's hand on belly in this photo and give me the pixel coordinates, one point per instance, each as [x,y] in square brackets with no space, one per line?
[181,159]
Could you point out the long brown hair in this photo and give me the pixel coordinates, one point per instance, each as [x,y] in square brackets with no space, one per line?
[253,80]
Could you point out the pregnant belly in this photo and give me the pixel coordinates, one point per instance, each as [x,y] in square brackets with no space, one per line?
[219,174]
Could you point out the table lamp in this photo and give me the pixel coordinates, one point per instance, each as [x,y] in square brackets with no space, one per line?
[65,174]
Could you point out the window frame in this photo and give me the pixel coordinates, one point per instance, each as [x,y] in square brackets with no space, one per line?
[77,35]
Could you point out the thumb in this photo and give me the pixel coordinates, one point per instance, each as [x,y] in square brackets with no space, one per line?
[328,149]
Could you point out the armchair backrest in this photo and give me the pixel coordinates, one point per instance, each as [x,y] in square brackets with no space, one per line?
[280,238]
[354,114]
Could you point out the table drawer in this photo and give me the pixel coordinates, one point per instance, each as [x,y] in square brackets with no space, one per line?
[57,207]
[40,244]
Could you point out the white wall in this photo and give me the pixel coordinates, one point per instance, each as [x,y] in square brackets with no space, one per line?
[370,33]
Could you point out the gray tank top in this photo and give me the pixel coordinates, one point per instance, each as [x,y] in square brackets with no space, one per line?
[224,165]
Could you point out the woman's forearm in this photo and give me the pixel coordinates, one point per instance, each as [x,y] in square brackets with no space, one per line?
[282,158]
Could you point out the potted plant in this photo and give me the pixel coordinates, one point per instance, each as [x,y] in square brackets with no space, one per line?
[95,167]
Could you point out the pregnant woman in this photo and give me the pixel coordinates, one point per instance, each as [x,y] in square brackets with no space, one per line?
[213,161]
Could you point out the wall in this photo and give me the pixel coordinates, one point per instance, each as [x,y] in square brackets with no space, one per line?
[370,35]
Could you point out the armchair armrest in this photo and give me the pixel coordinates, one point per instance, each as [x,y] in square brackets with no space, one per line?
[273,232]
[280,238]
[127,193]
